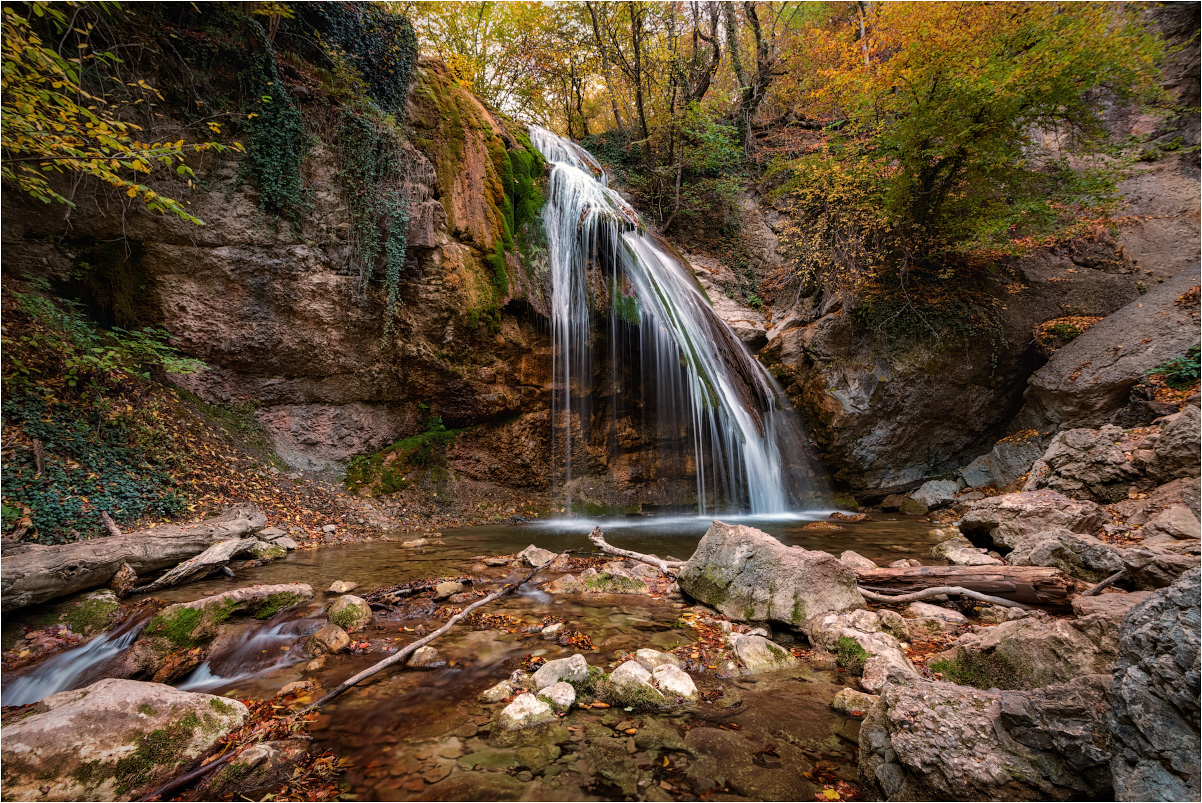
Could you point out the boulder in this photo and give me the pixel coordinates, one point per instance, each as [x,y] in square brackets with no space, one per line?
[912,507]
[1177,452]
[959,551]
[191,624]
[1154,722]
[535,556]
[857,561]
[654,659]
[940,741]
[573,669]
[1007,521]
[113,740]
[1090,379]
[1085,464]
[630,685]
[525,711]
[853,703]
[880,652]
[425,657]
[978,473]
[1138,512]
[447,588]
[329,639]
[936,493]
[892,502]
[674,682]
[924,610]
[749,575]
[756,654]
[1028,653]
[568,584]
[1176,523]
[561,695]
[1013,457]
[1114,605]
[1158,565]
[1080,556]
[350,613]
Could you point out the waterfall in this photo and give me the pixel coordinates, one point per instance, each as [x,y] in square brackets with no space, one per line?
[697,385]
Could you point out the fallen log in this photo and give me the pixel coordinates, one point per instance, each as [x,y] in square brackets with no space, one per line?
[1030,585]
[211,560]
[666,567]
[32,573]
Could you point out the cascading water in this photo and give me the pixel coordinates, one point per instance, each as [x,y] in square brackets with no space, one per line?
[696,380]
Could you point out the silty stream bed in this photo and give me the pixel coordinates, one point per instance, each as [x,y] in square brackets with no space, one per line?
[422,734]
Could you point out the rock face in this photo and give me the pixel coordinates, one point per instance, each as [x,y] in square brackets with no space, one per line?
[115,739]
[1155,719]
[1085,464]
[749,575]
[1090,379]
[1005,522]
[939,741]
[1177,452]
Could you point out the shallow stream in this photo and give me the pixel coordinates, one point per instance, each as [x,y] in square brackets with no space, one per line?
[421,734]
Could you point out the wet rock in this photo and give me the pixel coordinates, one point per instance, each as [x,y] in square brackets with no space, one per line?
[124,581]
[1007,521]
[415,543]
[525,711]
[749,575]
[1077,555]
[757,654]
[495,694]
[840,516]
[534,556]
[926,610]
[568,584]
[822,527]
[653,659]
[329,639]
[501,560]
[618,581]
[573,669]
[1154,723]
[630,686]
[940,741]
[191,624]
[853,703]
[350,613]
[1178,522]
[551,632]
[562,563]
[561,695]
[447,589]
[674,682]
[342,587]
[258,769]
[1177,452]
[115,739]
[857,561]
[904,563]
[1029,652]
[426,657]
[936,493]
[912,507]
[1085,464]
[317,664]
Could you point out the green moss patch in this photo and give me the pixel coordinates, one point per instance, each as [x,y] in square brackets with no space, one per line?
[384,472]
[983,671]
[850,655]
[607,583]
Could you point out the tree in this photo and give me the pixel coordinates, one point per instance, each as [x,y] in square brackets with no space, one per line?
[50,124]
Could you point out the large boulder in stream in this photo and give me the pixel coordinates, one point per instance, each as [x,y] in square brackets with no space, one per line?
[749,575]
[113,740]
[940,741]
[1005,522]
[1154,723]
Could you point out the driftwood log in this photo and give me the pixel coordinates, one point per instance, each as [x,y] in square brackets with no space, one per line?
[32,573]
[669,568]
[1030,585]
[212,560]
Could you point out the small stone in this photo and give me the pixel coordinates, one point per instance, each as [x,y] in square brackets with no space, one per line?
[653,659]
[526,710]
[912,507]
[446,589]
[329,528]
[573,669]
[552,631]
[822,527]
[414,543]
[923,610]
[495,694]
[297,687]
[271,533]
[317,664]
[342,586]
[503,560]
[630,685]
[561,695]
[857,561]
[425,656]
[757,654]
[330,639]
[673,681]
[535,556]
[905,563]
[853,702]
[568,584]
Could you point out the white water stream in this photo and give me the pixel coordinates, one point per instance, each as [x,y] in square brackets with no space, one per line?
[745,444]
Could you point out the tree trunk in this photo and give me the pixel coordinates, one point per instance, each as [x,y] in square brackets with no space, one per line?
[613,100]
[32,573]
[1032,585]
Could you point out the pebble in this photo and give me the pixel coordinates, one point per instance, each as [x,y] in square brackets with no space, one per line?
[329,528]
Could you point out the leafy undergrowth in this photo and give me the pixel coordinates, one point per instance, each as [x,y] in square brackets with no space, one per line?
[91,425]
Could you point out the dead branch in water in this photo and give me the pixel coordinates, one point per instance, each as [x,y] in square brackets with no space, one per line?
[405,652]
[665,566]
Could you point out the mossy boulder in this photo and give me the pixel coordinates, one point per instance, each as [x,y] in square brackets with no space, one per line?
[749,575]
[113,740]
[92,613]
[351,613]
[194,624]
